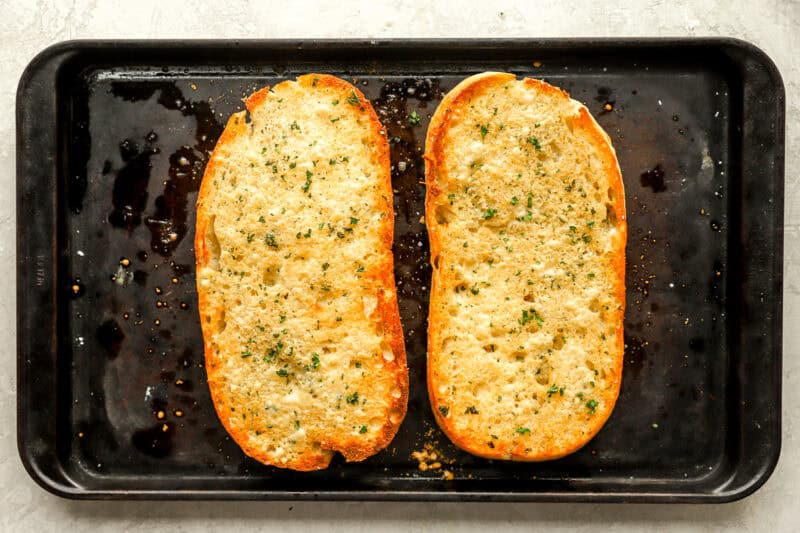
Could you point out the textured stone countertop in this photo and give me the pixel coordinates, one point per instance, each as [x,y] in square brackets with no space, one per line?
[26,27]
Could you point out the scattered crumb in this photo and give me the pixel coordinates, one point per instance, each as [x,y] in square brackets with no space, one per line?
[429,458]
[537,64]
[426,459]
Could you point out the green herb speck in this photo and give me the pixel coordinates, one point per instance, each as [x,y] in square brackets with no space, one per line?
[535,142]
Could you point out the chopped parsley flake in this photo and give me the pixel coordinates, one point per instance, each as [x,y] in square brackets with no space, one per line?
[353,221]
[591,405]
[471,410]
[414,118]
[535,142]
[307,184]
[273,353]
[363,430]
[315,360]
[353,99]
[514,200]
[444,410]
[352,399]
[489,213]
[484,131]
[269,239]
[523,431]
[246,353]
[530,314]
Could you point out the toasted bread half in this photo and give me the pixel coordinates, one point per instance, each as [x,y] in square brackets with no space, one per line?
[525,211]
[303,344]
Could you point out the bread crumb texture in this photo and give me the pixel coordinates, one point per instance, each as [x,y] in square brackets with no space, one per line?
[303,344]
[526,217]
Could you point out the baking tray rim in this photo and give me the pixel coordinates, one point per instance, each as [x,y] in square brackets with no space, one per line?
[54,486]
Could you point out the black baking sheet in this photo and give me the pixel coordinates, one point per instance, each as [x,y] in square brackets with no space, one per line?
[112,141]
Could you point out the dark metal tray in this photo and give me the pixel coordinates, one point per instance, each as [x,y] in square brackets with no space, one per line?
[111,143]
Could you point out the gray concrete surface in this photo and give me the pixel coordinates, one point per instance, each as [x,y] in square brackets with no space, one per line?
[28,26]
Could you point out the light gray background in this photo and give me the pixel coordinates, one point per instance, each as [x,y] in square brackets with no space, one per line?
[28,26]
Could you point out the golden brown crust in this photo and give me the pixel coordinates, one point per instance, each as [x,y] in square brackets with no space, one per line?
[435,174]
[383,281]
